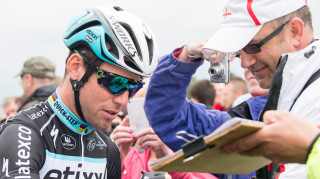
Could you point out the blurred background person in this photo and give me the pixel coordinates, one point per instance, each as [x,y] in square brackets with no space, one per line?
[235,88]
[10,107]
[203,92]
[38,81]
[253,87]
[219,97]
[142,148]
[58,80]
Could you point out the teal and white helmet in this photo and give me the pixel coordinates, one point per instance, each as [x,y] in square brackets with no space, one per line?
[132,43]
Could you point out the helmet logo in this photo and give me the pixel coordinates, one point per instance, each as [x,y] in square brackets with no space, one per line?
[92,34]
[88,38]
[122,34]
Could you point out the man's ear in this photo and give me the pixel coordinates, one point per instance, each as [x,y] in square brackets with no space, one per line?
[75,67]
[297,32]
[29,80]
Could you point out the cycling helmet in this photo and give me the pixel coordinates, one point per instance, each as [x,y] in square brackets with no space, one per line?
[132,43]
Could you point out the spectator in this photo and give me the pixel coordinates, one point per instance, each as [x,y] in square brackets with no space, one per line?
[253,85]
[143,147]
[219,98]
[253,88]
[10,107]
[274,40]
[203,92]
[148,148]
[276,43]
[235,88]
[171,112]
[37,80]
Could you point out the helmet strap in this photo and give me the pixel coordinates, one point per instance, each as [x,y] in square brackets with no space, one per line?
[76,85]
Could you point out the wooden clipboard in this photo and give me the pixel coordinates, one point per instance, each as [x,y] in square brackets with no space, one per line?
[210,160]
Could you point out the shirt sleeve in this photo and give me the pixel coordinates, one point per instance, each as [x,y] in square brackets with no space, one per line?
[22,153]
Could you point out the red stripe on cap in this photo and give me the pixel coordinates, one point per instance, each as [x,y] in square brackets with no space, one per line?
[254,18]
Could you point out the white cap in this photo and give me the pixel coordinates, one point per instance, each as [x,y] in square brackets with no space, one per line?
[242,19]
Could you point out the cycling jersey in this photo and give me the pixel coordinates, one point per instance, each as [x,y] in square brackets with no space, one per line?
[48,141]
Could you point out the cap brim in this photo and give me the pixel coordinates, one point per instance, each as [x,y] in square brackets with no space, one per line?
[19,74]
[230,39]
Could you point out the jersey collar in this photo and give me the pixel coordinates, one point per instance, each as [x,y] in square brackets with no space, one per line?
[67,117]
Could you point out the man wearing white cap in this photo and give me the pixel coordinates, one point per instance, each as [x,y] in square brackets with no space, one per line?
[274,40]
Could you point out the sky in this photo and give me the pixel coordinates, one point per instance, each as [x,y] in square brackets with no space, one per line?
[35,28]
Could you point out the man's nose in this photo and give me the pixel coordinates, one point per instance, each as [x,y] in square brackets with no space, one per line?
[122,99]
[247,60]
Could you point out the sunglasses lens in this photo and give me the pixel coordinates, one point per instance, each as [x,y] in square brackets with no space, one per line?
[252,49]
[118,85]
[134,90]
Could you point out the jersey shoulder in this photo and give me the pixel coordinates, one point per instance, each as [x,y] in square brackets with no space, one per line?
[34,117]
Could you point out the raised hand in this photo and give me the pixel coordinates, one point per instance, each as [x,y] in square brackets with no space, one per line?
[123,136]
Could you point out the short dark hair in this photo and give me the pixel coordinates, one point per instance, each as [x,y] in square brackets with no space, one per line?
[85,52]
[204,92]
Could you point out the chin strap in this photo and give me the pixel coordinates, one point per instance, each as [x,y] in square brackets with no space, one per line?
[76,85]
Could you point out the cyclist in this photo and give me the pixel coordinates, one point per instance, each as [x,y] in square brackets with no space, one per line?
[111,50]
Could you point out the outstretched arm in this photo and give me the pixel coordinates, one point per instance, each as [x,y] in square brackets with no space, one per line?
[166,106]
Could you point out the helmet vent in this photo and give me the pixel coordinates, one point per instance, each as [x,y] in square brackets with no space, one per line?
[131,64]
[113,48]
[150,49]
[88,25]
[134,39]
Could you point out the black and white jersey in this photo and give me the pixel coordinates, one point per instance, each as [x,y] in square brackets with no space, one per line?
[48,141]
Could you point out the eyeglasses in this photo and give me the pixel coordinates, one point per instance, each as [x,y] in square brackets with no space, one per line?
[114,83]
[256,48]
[117,84]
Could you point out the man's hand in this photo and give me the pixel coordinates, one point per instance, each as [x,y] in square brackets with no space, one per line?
[123,136]
[285,139]
[194,49]
[148,138]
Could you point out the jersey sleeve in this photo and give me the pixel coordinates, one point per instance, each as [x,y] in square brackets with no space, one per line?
[22,152]
[114,160]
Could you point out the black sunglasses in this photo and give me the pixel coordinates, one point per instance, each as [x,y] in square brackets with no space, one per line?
[114,83]
[256,48]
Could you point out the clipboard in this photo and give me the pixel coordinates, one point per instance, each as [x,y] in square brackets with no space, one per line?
[203,153]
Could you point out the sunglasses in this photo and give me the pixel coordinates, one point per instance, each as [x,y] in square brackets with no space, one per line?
[256,48]
[114,83]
